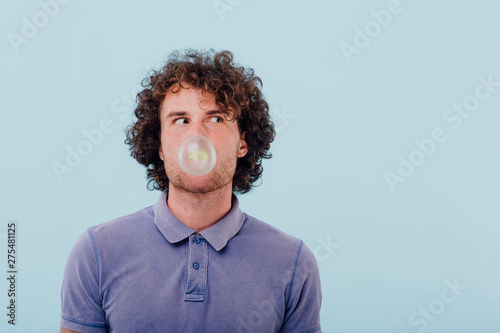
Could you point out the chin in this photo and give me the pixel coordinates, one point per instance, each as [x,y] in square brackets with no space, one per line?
[198,184]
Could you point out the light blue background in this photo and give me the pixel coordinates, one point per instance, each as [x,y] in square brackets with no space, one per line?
[347,124]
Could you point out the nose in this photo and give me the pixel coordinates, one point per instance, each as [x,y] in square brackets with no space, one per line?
[197,128]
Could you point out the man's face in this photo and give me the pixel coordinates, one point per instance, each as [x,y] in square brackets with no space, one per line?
[189,112]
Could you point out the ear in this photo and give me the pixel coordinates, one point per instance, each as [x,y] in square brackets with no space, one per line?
[243,146]
[160,152]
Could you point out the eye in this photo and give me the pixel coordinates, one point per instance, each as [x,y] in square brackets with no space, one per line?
[177,120]
[217,117]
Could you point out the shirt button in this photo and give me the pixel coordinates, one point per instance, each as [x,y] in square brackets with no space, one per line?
[196,265]
[197,240]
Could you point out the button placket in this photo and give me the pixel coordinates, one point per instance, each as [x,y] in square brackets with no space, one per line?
[197,269]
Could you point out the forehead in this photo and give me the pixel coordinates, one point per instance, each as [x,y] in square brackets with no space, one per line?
[189,98]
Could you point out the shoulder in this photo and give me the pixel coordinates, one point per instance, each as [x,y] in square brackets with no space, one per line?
[254,225]
[123,225]
[121,232]
[266,236]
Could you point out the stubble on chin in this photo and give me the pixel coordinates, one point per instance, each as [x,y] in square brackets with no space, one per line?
[220,176]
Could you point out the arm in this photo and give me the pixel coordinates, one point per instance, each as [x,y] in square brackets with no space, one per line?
[65,330]
[303,301]
[81,300]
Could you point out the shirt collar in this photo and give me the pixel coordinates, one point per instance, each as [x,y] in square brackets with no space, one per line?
[217,235]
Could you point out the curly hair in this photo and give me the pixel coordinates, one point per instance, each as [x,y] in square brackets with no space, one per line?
[237,94]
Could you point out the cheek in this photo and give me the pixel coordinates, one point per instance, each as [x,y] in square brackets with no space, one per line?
[169,144]
[228,148]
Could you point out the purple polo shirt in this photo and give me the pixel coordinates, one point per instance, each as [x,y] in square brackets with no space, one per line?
[149,272]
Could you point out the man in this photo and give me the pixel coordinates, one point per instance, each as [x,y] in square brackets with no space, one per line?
[193,261]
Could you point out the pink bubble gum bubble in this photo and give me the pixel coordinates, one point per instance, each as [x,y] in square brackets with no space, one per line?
[196,155]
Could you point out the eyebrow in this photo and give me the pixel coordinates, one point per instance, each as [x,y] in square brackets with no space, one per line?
[184,113]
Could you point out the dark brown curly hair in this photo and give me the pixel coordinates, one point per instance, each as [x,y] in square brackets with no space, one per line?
[237,94]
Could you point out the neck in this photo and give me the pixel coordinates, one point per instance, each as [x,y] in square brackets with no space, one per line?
[199,211]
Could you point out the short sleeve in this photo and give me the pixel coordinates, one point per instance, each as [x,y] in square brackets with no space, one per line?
[81,302]
[304,296]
